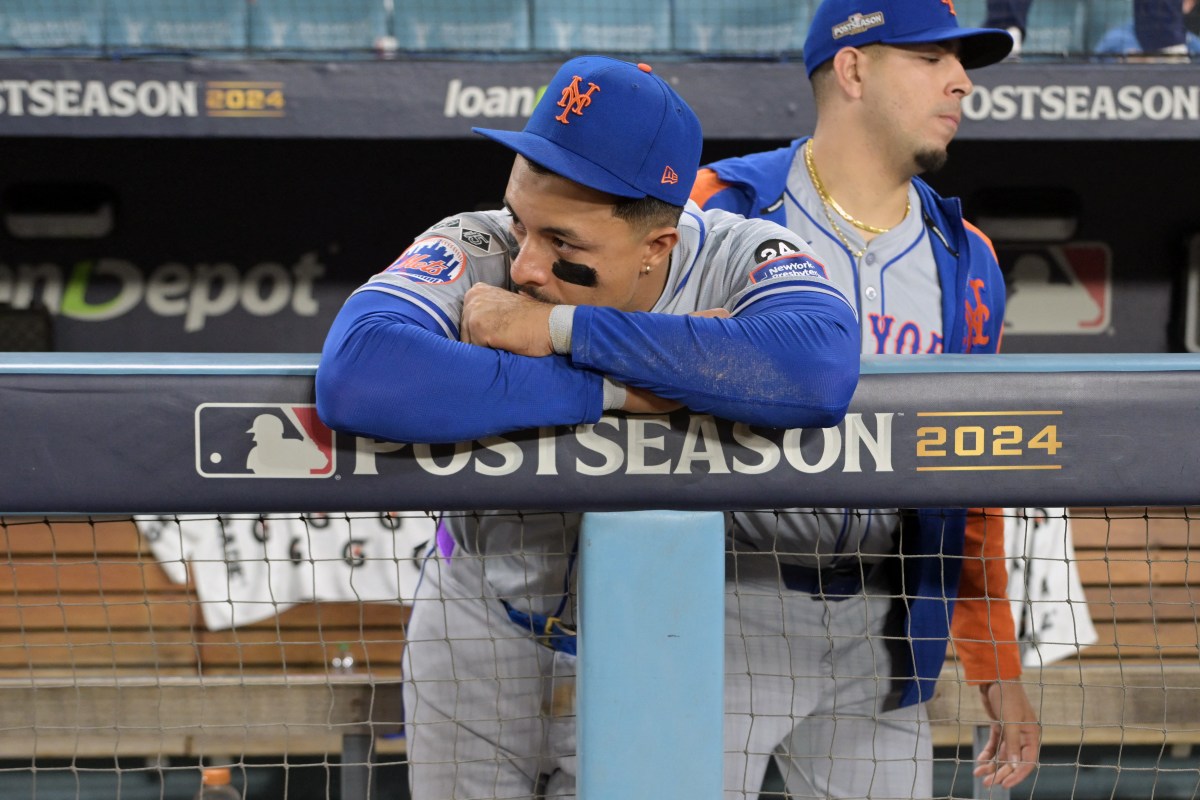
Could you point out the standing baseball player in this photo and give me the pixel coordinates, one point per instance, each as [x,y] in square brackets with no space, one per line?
[831,680]
[572,301]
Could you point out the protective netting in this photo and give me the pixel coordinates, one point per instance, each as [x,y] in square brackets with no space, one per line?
[390,28]
[134,651]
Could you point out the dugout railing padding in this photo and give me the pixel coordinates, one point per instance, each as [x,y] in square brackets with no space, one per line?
[998,431]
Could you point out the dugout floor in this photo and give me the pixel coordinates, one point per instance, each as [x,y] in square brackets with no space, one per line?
[1134,773]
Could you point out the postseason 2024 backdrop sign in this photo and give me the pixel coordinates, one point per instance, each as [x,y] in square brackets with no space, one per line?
[443,99]
[237,434]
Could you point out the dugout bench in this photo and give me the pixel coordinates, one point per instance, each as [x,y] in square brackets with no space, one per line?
[1140,682]
[101,655]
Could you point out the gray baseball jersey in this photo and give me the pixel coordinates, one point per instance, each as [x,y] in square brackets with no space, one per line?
[720,260]
[895,286]
[895,281]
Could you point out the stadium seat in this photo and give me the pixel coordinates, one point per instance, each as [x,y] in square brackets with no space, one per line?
[301,26]
[455,25]
[1056,27]
[749,27]
[600,26]
[191,26]
[1105,14]
[972,13]
[51,24]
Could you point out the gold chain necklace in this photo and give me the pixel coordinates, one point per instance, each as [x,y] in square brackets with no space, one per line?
[857,254]
[837,229]
[829,201]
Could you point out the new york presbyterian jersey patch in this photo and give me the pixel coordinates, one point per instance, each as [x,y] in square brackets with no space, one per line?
[777,258]
[433,259]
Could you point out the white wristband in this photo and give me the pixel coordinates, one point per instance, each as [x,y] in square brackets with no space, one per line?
[562,322]
[614,395]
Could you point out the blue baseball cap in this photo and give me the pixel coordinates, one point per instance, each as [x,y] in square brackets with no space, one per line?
[615,127]
[855,23]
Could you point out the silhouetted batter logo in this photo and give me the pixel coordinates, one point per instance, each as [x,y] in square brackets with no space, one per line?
[253,440]
[1057,289]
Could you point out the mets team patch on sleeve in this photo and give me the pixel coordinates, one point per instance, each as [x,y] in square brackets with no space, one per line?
[777,258]
[434,259]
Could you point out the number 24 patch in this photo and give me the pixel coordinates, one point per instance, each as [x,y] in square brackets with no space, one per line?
[777,258]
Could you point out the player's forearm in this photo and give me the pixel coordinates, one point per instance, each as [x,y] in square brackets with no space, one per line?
[792,365]
[385,377]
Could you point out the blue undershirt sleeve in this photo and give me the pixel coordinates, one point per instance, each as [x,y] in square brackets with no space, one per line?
[387,371]
[789,360]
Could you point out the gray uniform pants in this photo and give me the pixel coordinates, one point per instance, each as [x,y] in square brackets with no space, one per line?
[807,682]
[489,712]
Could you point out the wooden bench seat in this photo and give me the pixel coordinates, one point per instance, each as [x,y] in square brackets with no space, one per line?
[243,715]
[1140,682]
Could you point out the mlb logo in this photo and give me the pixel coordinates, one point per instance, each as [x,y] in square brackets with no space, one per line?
[1057,289]
[257,440]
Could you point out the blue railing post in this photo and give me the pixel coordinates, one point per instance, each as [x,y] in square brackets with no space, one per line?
[651,655]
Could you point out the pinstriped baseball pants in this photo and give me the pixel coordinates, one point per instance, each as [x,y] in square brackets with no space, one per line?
[807,682]
[489,712]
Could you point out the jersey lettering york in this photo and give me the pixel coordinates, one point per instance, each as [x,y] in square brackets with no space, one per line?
[890,337]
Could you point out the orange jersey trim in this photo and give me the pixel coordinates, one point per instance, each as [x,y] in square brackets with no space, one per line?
[707,184]
[983,630]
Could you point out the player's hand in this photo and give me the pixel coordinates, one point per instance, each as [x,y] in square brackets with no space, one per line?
[640,401]
[1012,748]
[503,320]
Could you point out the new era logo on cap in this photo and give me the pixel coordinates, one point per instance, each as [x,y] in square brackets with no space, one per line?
[612,126]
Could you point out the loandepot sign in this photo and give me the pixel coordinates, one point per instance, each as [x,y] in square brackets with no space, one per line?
[108,288]
[467,100]
[1083,103]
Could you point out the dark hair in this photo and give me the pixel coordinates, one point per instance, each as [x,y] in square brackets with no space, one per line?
[644,212]
[819,79]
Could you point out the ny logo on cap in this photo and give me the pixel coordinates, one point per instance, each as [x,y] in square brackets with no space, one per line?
[951,4]
[574,101]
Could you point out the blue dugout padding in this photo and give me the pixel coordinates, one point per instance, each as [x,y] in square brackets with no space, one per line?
[651,655]
[170,433]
